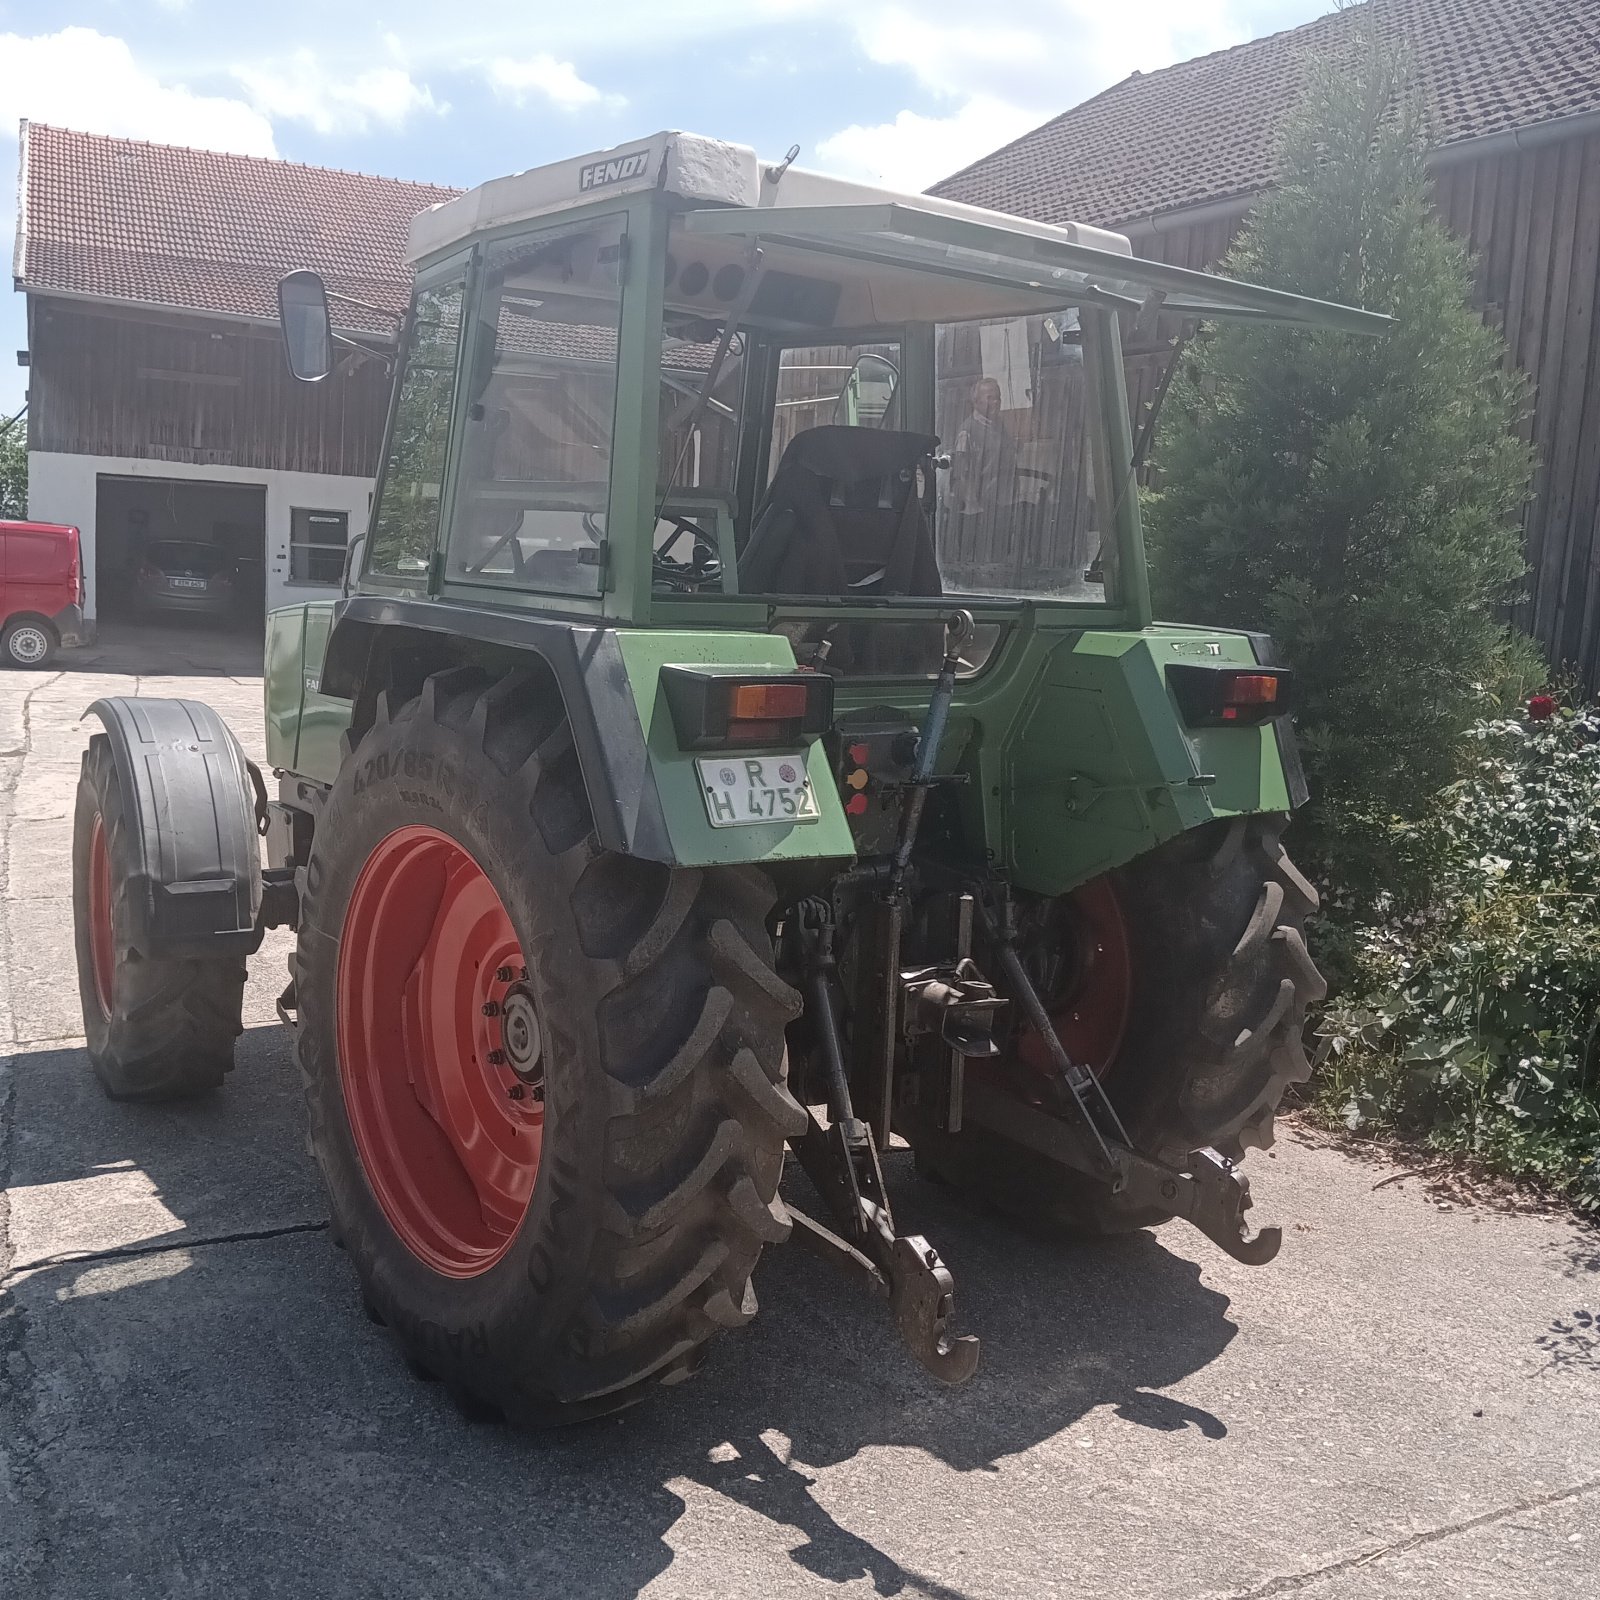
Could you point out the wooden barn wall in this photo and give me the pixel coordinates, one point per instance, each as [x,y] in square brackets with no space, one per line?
[1532,221]
[208,393]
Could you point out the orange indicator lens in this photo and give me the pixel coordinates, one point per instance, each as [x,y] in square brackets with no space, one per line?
[1253,689]
[758,702]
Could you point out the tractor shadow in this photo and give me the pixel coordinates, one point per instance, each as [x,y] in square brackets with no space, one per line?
[1067,1327]
[227,1360]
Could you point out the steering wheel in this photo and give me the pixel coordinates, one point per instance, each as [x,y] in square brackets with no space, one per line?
[700,569]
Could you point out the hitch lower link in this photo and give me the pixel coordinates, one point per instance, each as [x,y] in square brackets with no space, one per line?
[842,1162]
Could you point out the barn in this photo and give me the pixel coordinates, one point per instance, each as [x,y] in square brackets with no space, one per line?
[1176,158]
[159,405]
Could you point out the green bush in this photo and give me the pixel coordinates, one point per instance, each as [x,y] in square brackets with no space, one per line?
[1472,1021]
[14,470]
[1358,498]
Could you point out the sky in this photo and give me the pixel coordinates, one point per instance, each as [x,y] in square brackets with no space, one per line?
[450,93]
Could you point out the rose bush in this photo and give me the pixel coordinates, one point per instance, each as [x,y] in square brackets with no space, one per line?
[1471,1016]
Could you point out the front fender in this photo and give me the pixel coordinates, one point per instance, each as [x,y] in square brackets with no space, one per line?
[188,797]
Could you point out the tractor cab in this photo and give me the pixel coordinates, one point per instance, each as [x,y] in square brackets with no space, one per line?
[670,383]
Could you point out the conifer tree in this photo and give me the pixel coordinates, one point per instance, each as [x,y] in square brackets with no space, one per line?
[1358,498]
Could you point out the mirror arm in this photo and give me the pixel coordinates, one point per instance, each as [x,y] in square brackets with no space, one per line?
[396,317]
[364,350]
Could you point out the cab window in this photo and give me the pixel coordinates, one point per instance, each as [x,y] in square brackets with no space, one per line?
[405,523]
[531,494]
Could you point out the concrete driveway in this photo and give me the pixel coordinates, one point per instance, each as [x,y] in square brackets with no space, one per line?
[1406,1403]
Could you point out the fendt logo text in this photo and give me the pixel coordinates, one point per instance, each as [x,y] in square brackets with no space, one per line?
[618,169]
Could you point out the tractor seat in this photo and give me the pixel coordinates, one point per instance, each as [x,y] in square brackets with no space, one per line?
[843,517]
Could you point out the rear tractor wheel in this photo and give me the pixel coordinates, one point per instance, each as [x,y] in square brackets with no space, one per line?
[158,1028]
[1183,981]
[546,1082]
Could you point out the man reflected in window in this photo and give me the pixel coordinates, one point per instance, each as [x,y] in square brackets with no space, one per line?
[983,470]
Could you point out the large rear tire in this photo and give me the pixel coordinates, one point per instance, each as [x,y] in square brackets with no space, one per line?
[552,1257]
[157,1028]
[1190,1006]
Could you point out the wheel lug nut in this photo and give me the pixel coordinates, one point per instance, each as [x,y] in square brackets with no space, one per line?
[491,1009]
[504,975]
[522,973]
[516,1091]
[497,1058]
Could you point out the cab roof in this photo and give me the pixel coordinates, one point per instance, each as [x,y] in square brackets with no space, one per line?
[907,252]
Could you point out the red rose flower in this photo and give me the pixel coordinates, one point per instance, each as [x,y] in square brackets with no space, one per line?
[1541,707]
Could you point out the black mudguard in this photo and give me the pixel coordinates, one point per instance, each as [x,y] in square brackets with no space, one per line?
[188,794]
[586,664]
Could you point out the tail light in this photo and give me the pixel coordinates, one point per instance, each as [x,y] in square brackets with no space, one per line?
[1229,697]
[148,574]
[725,711]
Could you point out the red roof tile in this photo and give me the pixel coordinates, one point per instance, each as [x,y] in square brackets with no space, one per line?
[1208,129]
[119,219]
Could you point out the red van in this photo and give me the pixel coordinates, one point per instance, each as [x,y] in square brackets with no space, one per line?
[41,592]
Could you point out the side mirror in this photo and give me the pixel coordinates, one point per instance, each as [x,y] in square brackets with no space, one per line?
[307,330]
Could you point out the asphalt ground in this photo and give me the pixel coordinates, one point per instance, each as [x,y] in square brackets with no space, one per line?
[1405,1403]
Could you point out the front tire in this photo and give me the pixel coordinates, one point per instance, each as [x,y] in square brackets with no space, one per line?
[1191,1008]
[156,1028]
[556,1262]
[27,642]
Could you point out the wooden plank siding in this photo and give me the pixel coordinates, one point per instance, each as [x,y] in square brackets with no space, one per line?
[189,389]
[1532,220]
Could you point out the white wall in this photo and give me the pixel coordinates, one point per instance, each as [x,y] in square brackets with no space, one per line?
[61,488]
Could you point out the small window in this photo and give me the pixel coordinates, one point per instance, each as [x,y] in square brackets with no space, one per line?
[317,541]
[405,526]
[839,385]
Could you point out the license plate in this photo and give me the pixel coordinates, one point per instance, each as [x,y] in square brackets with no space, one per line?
[743,790]
[187,583]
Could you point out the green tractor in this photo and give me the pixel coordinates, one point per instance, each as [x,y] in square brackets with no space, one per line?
[743,728]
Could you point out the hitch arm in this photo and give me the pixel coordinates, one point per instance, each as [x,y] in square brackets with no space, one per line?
[842,1162]
[1204,1189]
[904,1267]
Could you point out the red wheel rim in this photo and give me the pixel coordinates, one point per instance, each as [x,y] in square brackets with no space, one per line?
[102,942]
[1091,1010]
[442,1081]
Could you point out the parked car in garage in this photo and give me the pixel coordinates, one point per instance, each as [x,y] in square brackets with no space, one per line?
[186,575]
[41,592]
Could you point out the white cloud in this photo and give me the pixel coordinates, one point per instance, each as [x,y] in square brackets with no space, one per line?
[82,79]
[1001,77]
[302,89]
[516,78]
[1044,53]
[914,151]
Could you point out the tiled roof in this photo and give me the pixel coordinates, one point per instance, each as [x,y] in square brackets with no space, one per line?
[119,219]
[1207,129]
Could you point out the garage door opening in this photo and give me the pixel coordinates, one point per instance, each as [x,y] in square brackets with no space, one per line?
[175,549]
